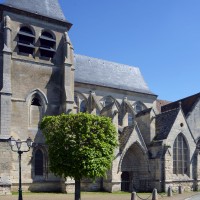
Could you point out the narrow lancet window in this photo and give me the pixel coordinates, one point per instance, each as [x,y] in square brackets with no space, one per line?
[180,155]
[39,163]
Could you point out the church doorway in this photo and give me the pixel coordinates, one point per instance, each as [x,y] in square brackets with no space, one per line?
[134,168]
[125,182]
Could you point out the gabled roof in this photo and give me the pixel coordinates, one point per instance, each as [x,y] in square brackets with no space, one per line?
[124,136]
[48,8]
[186,104]
[109,107]
[164,123]
[109,74]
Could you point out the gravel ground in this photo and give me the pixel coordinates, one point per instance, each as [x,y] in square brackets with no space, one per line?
[93,196]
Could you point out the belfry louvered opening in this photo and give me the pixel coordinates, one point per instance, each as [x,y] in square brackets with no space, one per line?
[26,40]
[47,45]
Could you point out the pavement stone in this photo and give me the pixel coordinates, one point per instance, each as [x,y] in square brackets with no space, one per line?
[96,196]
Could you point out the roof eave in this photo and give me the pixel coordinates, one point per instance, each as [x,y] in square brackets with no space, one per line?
[4,7]
[98,85]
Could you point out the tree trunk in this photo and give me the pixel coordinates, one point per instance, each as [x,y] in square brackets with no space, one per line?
[77,190]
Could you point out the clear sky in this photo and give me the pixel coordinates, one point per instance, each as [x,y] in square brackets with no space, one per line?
[161,37]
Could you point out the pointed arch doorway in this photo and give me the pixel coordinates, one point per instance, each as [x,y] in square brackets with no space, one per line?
[134,168]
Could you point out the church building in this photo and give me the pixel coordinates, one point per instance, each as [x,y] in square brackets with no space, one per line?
[159,141]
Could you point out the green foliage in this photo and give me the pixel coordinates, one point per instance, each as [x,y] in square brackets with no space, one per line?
[79,145]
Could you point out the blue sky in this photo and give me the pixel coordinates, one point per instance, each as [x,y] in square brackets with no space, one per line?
[161,37]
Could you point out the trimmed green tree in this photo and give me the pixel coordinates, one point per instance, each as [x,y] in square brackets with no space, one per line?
[80,146]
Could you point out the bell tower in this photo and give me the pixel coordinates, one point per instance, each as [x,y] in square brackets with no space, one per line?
[36,79]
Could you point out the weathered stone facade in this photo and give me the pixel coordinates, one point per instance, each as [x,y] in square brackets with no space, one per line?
[32,85]
[40,75]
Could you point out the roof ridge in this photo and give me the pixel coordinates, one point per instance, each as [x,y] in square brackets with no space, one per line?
[107,61]
[186,104]
[167,111]
[186,97]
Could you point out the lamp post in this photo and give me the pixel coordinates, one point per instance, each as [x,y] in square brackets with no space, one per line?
[17,144]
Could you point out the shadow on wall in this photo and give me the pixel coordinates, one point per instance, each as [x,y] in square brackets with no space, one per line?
[52,104]
[135,170]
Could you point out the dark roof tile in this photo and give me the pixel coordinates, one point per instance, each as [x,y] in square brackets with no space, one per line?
[109,74]
[164,123]
[143,112]
[186,104]
[48,8]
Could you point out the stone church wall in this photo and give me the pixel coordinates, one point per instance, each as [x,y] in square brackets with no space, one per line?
[144,126]
[187,179]
[119,95]
[25,76]
[31,75]
[5,167]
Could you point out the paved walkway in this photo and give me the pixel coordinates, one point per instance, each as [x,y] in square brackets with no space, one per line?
[185,195]
[96,196]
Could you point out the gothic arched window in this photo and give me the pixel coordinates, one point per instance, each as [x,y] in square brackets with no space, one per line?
[130,119]
[35,101]
[83,107]
[107,101]
[139,106]
[39,163]
[98,112]
[80,102]
[26,40]
[180,155]
[35,111]
[47,45]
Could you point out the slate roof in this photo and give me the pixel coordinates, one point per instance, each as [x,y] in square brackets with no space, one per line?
[186,104]
[143,112]
[164,123]
[108,107]
[124,136]
[109,74]
[48,8]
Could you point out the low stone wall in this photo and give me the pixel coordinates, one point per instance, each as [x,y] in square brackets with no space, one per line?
[89,185]
[68,186]
[39,187]
[112,186]
[186,185]
[5,187]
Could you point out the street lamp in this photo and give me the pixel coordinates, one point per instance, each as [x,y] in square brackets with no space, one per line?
[18,143]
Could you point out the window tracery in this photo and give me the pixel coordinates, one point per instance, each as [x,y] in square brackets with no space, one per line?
[180,155]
